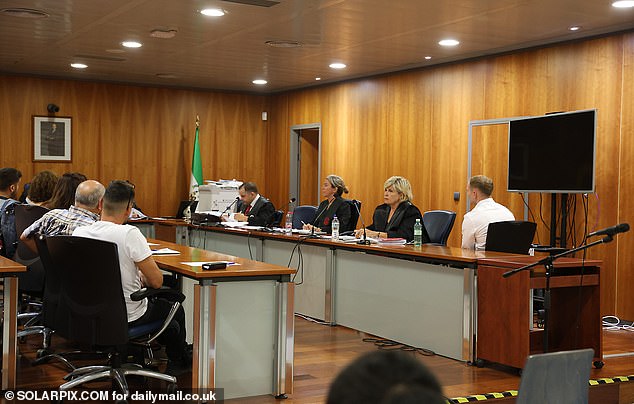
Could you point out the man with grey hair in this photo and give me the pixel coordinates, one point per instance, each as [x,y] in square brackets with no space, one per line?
[476,222]
[85,211]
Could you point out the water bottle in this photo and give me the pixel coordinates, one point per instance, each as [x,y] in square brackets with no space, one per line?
[418,233]
[335,228]
[288,225]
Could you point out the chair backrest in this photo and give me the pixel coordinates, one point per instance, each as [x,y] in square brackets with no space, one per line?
[33,279]
[514,236]
[52,283]
[354,214]
[91,305]
[277,218]
[438,224]
[304,213]
[556,377]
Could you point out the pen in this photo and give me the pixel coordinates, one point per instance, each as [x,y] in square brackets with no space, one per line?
[303,223]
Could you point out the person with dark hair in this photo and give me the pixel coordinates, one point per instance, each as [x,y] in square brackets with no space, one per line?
[9,185]
[138,269]
[83,212]
[334,205]
[386,377]
[254,208]
[396,217]
[475,224]
[64,192]
[41,187]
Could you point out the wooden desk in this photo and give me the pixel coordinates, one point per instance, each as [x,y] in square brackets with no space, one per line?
[8,271]
[504,332]
[239,314]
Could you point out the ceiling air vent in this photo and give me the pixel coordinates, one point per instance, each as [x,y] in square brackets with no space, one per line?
[259,3]
[284,44]
[23,12]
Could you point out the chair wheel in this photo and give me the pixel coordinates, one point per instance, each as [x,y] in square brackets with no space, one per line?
[171,388]
[598,364]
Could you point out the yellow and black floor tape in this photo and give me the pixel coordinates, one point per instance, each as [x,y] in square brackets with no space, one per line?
[513,393]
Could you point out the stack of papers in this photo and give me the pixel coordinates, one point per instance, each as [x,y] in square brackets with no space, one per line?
[164,251]
[392,240]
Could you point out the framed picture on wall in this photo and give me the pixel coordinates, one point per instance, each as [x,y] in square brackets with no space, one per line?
[51,138]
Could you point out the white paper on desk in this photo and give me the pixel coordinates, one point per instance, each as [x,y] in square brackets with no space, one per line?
[165,251]
[234,224]
[151,244]
[200,263]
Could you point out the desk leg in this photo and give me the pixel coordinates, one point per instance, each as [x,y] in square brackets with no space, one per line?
[204,349]
[284,349]
[329,303]
[9,336]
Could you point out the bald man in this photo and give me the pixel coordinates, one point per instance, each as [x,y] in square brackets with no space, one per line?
[85,211]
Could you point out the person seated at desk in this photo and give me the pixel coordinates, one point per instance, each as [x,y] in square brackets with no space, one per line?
[331,189]
[41,188]
[138,269]
[254,208]
[475,224]
[386,377]
[64,191]
[397,216]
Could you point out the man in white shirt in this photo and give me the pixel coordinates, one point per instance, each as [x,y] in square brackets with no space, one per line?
[476,222]
[138,269]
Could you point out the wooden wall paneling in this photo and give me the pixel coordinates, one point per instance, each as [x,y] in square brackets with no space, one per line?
[624,281]
[277,162]
[458,92]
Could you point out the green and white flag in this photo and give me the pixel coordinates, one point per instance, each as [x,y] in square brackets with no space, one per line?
[197,168]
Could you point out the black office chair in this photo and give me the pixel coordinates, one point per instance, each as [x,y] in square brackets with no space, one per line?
[556,377]
[304,213]
[276,221]
[354,215]
[438,224]
[514,236]
[92,309]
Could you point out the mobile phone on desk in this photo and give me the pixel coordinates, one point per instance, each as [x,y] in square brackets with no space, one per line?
[214,265]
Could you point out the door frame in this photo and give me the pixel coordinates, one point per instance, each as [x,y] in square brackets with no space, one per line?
[294,158]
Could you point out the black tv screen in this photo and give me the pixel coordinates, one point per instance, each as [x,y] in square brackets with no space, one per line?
[553,153]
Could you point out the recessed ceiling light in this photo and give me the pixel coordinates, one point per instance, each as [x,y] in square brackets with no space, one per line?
[574,28]
[78,65]
[259,82]
[427,57]
[623,4]
[337,66]
[131,44]
[213,12]
[448,42]
[317,78]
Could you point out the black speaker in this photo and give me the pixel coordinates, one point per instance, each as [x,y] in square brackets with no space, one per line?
[52,108]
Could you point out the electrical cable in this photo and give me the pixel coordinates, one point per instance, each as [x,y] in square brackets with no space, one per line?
[389,345]
[313,320]
[541,217]
[530,212]
[249,244]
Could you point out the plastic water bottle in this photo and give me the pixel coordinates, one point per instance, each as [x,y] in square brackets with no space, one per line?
[418,233]
[288,225]
[335,228]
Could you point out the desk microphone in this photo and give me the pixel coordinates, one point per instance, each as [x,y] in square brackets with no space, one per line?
[611,231]
[291,202]
[312,229]
[230,205]
[365,240]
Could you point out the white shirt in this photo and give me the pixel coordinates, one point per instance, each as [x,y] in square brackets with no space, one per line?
[132,247]
[476,222]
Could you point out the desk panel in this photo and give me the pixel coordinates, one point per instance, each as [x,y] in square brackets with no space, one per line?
[415,303]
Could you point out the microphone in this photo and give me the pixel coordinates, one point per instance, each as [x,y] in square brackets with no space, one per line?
[312,228]
[291,202]
[365,240]
[230,205]
[611,231]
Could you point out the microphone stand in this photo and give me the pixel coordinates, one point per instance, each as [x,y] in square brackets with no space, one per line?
[365,240]
[312,226]
[230,205]
[548,263]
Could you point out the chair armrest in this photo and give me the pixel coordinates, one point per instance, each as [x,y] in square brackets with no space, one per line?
[166,293]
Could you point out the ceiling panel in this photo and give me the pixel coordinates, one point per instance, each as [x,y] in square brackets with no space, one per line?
[370,36]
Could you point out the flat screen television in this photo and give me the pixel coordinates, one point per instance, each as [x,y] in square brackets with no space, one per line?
[553,153]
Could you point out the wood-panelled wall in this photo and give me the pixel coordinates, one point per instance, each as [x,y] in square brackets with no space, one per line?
[142,134]
[413,124]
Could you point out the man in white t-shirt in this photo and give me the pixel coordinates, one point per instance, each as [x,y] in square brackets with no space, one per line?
[476,222]
[138,269]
